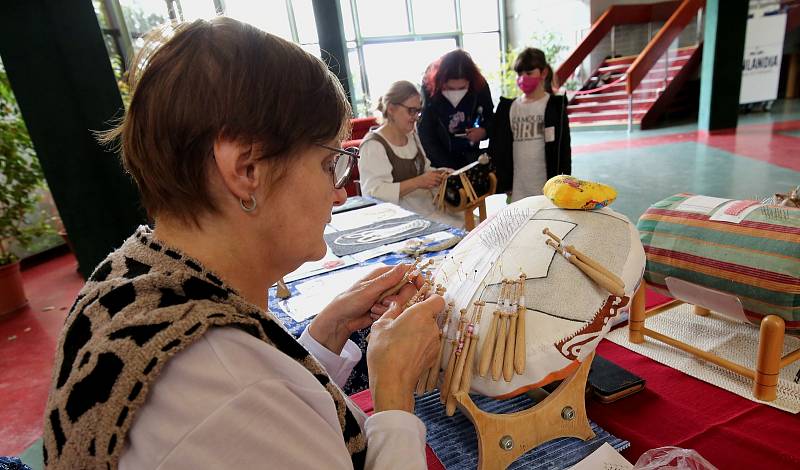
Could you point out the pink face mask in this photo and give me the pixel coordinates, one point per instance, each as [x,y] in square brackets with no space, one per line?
[527,83]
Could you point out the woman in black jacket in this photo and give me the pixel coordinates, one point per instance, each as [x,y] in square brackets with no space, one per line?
[457,110]
[530,142]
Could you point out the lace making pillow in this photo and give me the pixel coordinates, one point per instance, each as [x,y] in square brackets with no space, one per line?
[566,312]
[743,248]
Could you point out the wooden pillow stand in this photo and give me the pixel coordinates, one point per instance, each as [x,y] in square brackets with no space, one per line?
[469,200]
[769,361]
[502,438]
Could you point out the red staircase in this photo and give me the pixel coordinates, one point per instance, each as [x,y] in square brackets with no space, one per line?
[639,89]
[608,103]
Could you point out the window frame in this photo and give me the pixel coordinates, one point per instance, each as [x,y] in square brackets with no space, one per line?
[356,44]
[458,35]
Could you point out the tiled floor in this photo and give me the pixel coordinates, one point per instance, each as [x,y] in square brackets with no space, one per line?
[760,158]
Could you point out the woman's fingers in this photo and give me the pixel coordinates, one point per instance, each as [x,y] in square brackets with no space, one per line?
[404,343]
[424,311]
[378,310]
[376,273]
[405,294]
[386,277]
[419,281]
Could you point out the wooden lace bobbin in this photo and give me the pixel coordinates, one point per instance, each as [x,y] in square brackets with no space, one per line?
[511,338]
[614,284]
[451,361]
[433,373]
[422,382]
[502,438]
[585,258]
[592,263]
[458,372]
[439,197]
[466,380]
[500,343]
[488,342]
[496,363]
[601,279]
[417,298]
[519,345]
[430,374]
[415,267]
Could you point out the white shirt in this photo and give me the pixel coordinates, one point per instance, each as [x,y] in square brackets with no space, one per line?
[375,173]
[232,401]
[530,168]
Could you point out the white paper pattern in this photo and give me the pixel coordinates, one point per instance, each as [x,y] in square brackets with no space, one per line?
[368,215]
[701,204]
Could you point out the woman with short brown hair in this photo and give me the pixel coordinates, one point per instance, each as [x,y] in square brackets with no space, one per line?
[168,358]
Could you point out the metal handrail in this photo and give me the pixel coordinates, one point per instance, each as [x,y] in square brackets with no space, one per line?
[658,47]
[602,88]
[616,15]
[661,42]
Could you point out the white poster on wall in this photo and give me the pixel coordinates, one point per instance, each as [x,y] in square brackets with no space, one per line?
[761,64]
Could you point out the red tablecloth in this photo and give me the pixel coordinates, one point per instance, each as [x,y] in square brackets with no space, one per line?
[674,409]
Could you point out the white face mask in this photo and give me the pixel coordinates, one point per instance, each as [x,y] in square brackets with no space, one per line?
[454,96]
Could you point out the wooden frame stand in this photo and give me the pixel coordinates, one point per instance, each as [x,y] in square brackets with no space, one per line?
[470,200]
[502,438]
[769,361]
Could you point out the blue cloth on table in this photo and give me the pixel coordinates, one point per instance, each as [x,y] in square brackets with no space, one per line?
[12,463]
[455,443]
[359,379]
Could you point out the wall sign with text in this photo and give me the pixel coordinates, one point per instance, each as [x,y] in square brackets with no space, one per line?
[761,64]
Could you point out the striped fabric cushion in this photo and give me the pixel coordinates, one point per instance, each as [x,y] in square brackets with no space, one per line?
[757,260]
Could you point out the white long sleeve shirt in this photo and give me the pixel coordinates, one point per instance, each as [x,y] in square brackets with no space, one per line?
[231,401]
[375,174]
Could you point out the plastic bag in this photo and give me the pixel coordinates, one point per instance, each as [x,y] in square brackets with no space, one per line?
[672,458]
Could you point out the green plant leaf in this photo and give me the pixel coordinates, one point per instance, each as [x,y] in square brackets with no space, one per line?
[21,179]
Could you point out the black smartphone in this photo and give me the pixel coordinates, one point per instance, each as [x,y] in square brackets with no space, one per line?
[610,382]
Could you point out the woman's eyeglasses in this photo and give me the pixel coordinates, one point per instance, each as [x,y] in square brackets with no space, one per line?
[411,110]
[342,165]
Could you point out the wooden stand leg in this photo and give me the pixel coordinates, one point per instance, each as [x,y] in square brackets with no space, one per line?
[701,311]
[637,316]
[502,438]
[482,210]
[469,220]
[768,364]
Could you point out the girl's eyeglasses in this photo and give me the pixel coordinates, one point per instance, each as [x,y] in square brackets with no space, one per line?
[342,165]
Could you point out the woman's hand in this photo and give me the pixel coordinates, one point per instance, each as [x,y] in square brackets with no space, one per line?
[356,308]
[429,179]
[476,134]
[402,345]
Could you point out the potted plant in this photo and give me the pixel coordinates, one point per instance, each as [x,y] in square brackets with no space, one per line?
[21,187]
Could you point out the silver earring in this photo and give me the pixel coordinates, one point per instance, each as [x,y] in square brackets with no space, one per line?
[252,204]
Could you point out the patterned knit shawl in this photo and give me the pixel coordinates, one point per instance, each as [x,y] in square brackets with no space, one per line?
[140,307]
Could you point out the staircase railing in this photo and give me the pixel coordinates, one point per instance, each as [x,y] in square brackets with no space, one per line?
[616,15]
[686,12]
[658,49]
